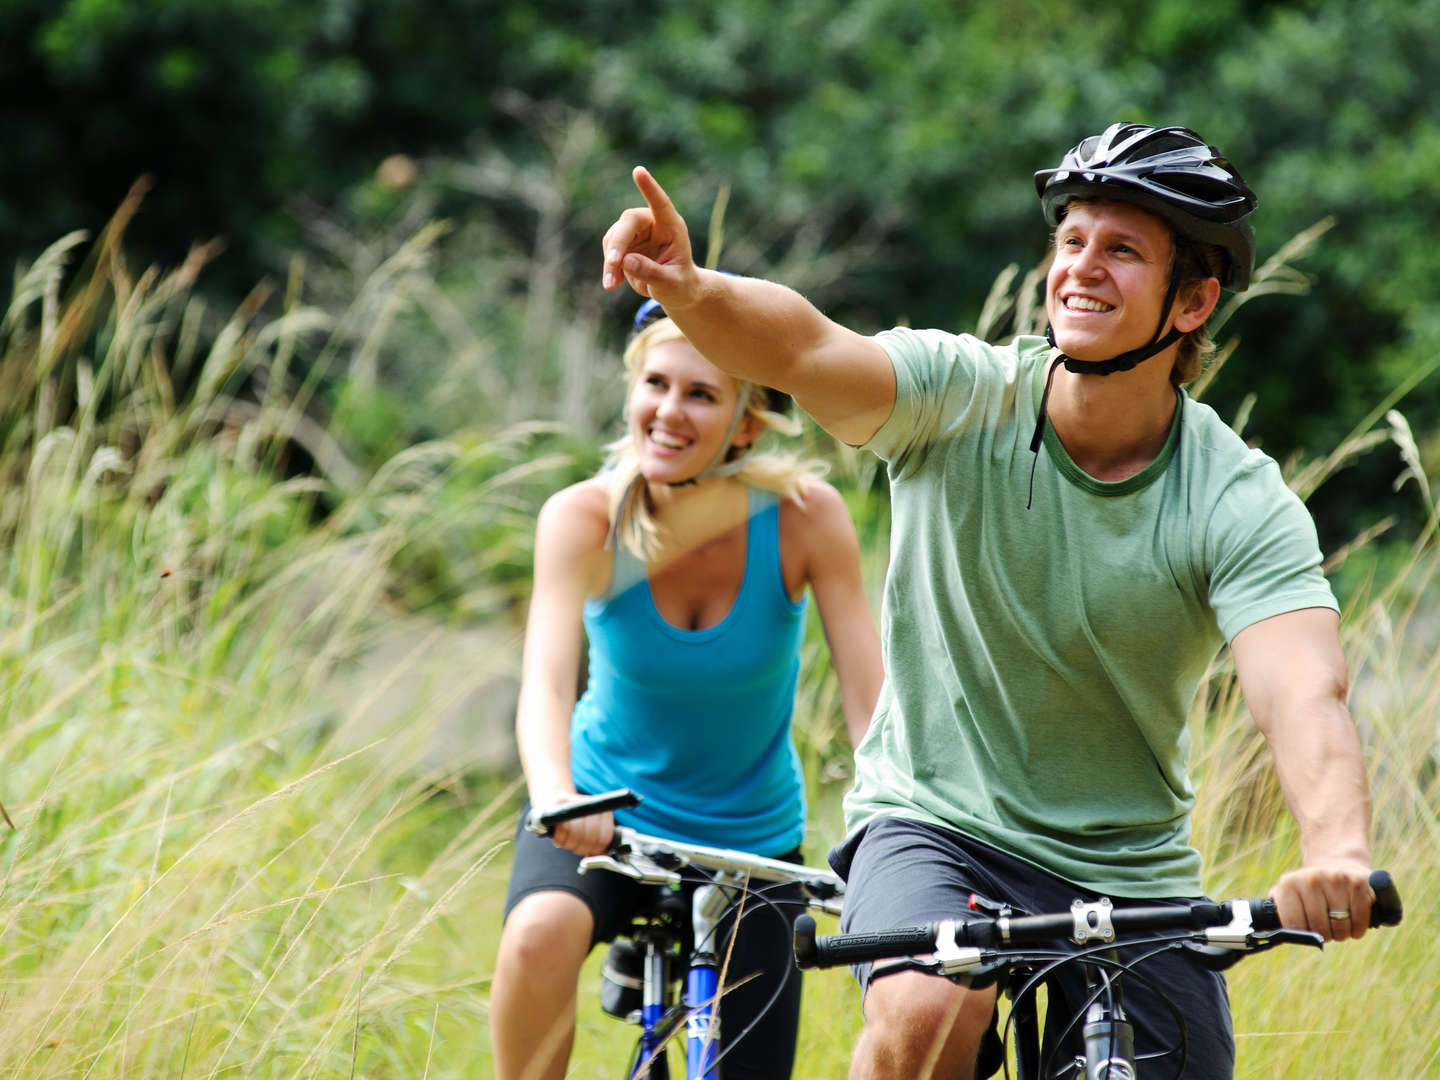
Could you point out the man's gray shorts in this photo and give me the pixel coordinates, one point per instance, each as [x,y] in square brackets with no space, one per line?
[906,873]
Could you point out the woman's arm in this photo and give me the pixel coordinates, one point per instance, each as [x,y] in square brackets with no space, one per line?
[753,329]
[833,571]
[569,550]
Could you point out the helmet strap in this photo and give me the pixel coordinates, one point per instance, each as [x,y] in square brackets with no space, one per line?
[1127,360]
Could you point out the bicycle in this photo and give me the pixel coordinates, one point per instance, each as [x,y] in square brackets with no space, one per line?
[1001,947]
[674,938]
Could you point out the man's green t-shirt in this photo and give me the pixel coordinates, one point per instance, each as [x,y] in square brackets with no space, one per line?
[1040,663]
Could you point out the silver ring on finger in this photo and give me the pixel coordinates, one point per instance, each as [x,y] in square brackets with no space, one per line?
[1336,914]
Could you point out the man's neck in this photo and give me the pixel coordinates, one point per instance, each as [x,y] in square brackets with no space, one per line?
[1113,426]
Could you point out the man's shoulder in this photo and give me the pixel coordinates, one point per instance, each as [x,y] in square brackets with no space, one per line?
[1217,445]
[1231,483]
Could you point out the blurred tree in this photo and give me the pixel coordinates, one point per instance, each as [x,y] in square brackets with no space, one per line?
[877,152]
[234,106]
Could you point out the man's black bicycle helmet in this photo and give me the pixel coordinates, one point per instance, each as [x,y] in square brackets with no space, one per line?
[1172,173]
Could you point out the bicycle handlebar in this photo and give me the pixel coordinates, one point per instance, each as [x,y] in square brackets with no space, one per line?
[658,859]
[542,822]
[1233,924]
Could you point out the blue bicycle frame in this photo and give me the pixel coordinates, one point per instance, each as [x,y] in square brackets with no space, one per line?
[703,1021]
[700,998]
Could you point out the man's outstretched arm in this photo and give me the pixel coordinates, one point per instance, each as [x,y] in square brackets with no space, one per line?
[755,330]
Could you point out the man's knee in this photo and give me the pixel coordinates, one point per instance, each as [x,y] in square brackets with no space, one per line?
[920,1026]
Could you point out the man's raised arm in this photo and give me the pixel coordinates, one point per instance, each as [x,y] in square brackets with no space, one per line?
[755,330]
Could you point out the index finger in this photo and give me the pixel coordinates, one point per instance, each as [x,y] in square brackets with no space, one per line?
[655,197]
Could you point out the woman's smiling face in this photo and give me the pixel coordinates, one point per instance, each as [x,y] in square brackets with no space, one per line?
[681,407]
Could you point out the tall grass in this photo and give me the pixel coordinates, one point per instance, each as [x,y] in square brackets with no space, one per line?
[224,856]
[209,866]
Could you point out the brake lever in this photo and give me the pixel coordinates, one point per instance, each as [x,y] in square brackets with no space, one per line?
[976,973]
[640,867]
[1285,936]
[929,967]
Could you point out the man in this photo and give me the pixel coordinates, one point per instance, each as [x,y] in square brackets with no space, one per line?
[1073,540]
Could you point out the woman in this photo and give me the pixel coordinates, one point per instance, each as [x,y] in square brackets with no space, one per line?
[685,561]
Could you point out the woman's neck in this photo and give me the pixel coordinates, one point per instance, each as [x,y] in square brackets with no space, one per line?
[692,515]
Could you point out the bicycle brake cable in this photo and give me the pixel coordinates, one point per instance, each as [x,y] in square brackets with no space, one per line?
[1127,968]
[733,907]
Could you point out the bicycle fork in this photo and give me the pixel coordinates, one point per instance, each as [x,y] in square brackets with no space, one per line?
[702,986]
[650,1062]
[1109,1036]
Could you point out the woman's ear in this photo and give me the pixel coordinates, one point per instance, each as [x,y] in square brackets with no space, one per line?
[747,432]
[1195,304]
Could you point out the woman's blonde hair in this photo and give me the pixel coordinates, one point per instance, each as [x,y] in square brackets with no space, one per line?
[632,513]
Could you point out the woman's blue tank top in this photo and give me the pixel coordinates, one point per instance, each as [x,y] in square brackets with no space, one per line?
[698,721]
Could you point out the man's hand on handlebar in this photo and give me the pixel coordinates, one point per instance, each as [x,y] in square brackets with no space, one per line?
[1330,898]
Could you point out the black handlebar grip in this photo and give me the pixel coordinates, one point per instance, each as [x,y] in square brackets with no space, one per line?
[544,821]
[1387,909]
[1264,915]
[832,950]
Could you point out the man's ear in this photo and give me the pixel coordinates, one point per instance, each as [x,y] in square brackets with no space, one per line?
[1195,304]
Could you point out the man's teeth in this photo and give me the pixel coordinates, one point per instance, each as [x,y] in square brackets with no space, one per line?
[1084,303]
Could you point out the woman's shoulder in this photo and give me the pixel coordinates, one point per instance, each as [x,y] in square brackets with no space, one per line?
[819,510]
[590,495]
[580,514]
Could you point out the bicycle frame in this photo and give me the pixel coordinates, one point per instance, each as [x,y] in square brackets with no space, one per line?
[709,904]
[656,860]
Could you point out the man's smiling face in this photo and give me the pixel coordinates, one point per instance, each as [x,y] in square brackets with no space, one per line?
[1108,278]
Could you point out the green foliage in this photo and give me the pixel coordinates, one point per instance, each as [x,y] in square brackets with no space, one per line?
[213,857]
[234,106]
[877,152]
